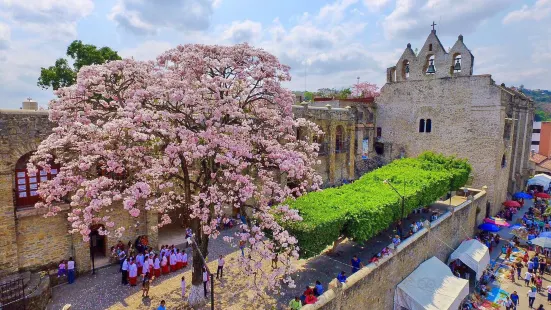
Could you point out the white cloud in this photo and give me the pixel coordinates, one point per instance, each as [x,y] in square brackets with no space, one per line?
[375,5]
[412,18]
[334,12]
[147,17]
[4,36]
[148,50]
[55,19]
[243,31]
[540,10]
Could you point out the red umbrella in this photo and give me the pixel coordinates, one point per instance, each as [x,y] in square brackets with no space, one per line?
[542,195]
[511,203]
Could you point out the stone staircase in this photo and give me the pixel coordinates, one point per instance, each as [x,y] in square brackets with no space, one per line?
[35,295]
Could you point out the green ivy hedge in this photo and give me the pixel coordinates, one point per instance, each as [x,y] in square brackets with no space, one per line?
[362,209]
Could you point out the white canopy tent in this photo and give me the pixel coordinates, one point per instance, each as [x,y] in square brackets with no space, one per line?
[473,254]
[431,286]
[541,180]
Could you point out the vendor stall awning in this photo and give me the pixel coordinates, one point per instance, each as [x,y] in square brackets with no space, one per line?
[431,286]
[541,180]
[473,254]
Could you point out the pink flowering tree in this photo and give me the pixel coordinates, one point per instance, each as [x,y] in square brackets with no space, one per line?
[364,90]
[200,130]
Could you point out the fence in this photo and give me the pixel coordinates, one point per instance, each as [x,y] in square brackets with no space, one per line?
[12,295]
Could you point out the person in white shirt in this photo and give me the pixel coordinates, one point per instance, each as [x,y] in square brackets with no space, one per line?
[172,262]
[183,286]
[184,259]
[125,272]
[164,265]
[145,267]
[531,298]
[220,270]
[205,280]
[178,259]
[157,266]
[139,260]
[150,262]
[132,273]
[71,270]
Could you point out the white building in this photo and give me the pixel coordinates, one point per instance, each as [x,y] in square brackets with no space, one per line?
[536,137]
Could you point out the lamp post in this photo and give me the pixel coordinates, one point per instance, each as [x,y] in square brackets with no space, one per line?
[402,197]
[192,240]
[93,244]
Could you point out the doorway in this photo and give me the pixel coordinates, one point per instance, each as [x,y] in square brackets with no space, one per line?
[98,244]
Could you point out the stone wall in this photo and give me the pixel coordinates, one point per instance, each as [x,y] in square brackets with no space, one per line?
[468,121]
[373,286]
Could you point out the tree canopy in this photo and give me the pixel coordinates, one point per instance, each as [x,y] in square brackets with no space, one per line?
[61,74]
[201,129]
[364,208]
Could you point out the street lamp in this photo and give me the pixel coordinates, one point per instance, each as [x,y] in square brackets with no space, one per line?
[402,197]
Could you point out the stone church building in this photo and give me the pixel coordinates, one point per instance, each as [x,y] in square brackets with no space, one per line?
[432,101]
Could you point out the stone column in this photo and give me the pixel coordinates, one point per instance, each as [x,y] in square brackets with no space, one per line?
[331,134]
[8,234]
[352,151]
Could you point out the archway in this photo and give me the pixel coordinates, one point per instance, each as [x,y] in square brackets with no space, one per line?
[98,242]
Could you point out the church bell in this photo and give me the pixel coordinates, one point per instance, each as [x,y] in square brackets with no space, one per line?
[431,69]
[407,68]
[457,66]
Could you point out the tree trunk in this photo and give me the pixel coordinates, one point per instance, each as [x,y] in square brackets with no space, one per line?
[196,294]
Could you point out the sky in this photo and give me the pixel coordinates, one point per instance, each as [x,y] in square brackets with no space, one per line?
[327,43]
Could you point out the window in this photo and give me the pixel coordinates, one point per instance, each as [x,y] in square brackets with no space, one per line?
[456,63]
[536,130]
[430,67]
[430,47]
[422,125]
[405,69]
[503,161]
[379,132]
[26,184]
[339,140]
[535,143]
[428,127]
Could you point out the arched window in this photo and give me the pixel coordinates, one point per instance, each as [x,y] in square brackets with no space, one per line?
[430,67]
[422,125]
[322,145]
[339,140]
[405,69]
[26,184]
[428,125]
[456,63]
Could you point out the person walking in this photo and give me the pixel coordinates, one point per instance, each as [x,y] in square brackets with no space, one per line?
[220,270]
[515,299]
[124,274]
[71,270]
[508,304]
[205,280]
[145,285]
[527,278]
[162,305]
[531,298]
[519,269]
[356,263]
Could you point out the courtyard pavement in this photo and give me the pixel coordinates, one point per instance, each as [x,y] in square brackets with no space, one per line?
[104,291]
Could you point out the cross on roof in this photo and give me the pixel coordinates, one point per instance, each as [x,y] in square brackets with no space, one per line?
[433,24]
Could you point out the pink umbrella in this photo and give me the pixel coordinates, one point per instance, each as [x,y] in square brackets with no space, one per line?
[497,221]
[511,203]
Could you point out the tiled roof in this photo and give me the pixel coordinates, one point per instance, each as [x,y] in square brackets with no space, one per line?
[538,158]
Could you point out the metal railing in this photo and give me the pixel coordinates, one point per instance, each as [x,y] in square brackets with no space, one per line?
[12,295]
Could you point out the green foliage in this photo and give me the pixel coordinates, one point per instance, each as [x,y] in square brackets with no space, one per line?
[541,116]
[62,75]
[308,96]
[344,93]
[368,206]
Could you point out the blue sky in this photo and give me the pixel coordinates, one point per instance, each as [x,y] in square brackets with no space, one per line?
[327,43]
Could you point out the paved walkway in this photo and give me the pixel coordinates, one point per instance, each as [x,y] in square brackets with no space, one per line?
[519,286]
[104,289]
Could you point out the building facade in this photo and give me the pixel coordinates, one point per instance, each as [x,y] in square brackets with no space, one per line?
[536,136]
[433,102]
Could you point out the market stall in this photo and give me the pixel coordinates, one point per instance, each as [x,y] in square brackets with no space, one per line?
[473,254]
[542,180]
[431,286]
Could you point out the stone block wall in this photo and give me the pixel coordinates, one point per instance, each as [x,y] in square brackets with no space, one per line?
[373,287]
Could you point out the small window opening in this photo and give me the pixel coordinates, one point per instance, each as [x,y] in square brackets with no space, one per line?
[430,47]
[428,126]
[422,125]
[457,63]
